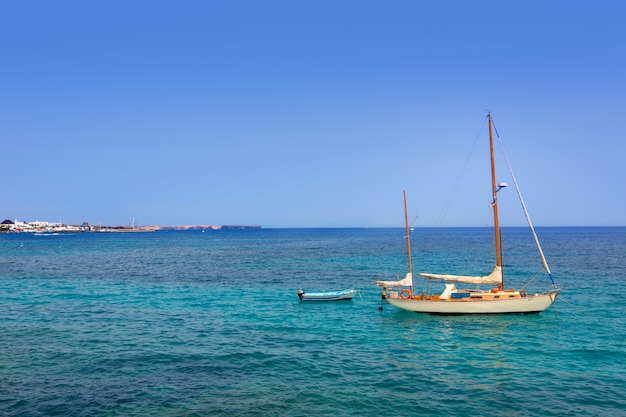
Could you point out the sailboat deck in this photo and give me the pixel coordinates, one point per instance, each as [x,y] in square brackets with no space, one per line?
[469,296]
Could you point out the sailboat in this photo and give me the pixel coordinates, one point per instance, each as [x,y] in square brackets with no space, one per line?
[496,300]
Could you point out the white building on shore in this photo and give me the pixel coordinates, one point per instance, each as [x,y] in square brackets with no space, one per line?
[38,226]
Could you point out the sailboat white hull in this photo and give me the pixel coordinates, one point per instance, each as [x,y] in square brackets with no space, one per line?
[535,303]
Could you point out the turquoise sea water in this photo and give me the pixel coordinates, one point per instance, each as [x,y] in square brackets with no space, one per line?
[194,324]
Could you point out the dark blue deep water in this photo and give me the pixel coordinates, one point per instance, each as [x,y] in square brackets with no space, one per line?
[208,323]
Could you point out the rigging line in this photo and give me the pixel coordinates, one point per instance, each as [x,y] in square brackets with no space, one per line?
[521,199]
[480,259]
[414,219]
[532,279]
[573,306]
[457,181]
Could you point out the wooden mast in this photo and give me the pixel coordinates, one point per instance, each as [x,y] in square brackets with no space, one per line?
[408,242]
[494,204]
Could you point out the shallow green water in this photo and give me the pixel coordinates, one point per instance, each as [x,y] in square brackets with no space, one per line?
[192,323]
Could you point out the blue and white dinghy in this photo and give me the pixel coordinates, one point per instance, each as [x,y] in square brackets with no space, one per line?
[345,295]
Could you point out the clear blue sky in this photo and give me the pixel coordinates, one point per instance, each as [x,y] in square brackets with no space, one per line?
[311,113]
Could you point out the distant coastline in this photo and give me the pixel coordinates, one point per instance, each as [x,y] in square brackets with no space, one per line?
[10,226]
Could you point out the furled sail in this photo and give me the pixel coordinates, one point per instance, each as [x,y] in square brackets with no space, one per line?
[494,278]
[404,282]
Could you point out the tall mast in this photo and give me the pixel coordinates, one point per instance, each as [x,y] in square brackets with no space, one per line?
[408,243]
[494,204]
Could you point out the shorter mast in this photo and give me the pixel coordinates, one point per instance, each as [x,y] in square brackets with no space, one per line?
[408,242]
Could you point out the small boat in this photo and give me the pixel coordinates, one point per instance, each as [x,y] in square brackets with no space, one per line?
[345,295]
[453,300]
